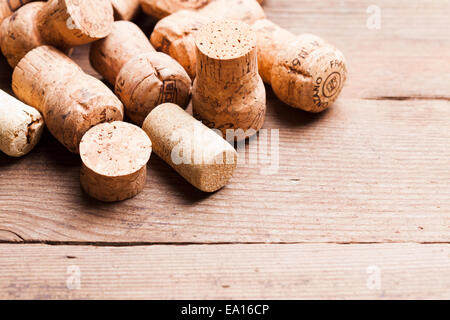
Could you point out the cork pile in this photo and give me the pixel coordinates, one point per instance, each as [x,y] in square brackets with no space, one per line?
[216,54]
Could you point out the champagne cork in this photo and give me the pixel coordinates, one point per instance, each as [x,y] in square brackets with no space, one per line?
[7,7]
[228,92]
[110,54]
[21,126]
[162,8]
[305,72]
[125,9]
[196,152]
[70,100]
[19,33]
[69,23]
[60,23]
[114,157]
[174,34]
[143,78]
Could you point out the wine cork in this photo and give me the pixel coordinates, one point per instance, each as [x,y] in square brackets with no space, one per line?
[60,23]
[174,34]
[110,54]
[142,78]
[69,23]
[21,126]
[162,8]
[114,157]
[305,72]
[7,7]
[228,92]
[125,9]
[19,33]
[196,152]
[70,100]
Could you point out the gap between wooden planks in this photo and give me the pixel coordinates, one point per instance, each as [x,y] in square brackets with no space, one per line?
[364,171]
[304,271]
[378,172]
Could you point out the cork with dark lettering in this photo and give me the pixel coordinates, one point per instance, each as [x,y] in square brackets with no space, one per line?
[114,157]
[142,78]
[70,100]
[7,7]
[228,92]
[305,71]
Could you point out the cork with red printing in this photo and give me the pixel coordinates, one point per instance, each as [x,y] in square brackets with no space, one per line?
[70,100]
[114,161]
[142,78]
[60,23]
[228,92]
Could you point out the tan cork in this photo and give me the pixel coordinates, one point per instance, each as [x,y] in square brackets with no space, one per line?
[70,100]
[20,34]
[7,7]
[143,78]
[174,34]
[109,55]
[228,92]
[305,72]
[162,8]
[114,157]
[196,152]
[60,23]
[125,9]
[21,126]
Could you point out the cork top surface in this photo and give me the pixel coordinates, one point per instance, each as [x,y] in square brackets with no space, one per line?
[225,39]
[93,18]
[115,149]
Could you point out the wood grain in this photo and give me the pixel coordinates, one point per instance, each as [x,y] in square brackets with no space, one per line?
[306,271]
[365,171]
[375,168]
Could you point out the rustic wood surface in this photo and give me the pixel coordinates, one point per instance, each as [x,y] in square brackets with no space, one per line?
[364,184]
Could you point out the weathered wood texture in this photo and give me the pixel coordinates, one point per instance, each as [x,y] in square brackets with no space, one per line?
[365,171]
[327,271]
[374,168]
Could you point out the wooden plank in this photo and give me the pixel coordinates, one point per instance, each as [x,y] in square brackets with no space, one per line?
[407,56]
[306,271]
[364,171]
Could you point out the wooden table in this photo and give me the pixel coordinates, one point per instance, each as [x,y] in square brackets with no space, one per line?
[359,208]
